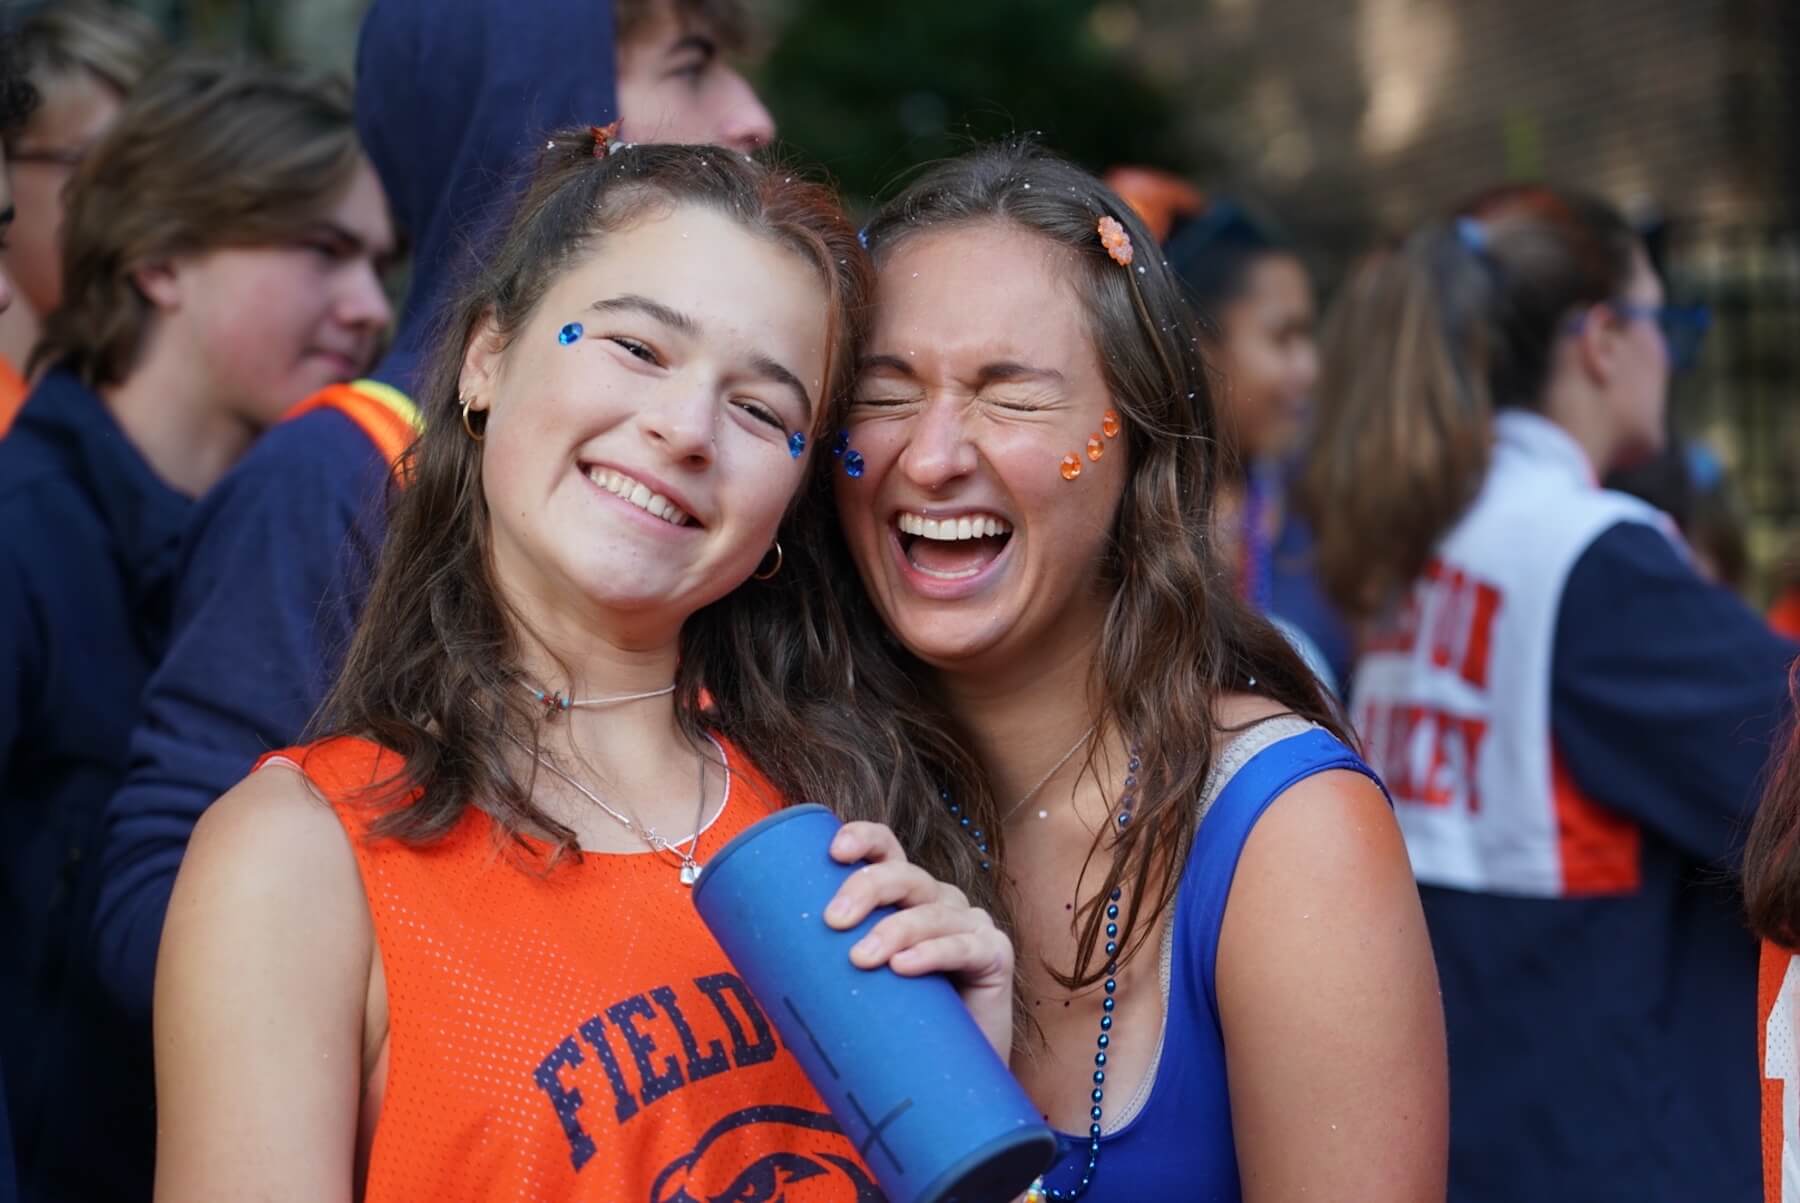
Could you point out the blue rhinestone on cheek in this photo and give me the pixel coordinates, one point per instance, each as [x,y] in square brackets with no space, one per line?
[569,333]
[853,464]
[796,444]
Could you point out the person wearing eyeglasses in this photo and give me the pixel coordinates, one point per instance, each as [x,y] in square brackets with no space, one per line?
[82,56]
[1571,719]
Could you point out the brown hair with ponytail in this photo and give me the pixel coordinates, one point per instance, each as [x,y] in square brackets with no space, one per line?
[1423,344]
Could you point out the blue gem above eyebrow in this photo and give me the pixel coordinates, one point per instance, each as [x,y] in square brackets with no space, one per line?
[796,444]
[569,333]
[853,465]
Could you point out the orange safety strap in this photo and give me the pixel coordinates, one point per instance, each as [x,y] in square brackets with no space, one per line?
[383,413]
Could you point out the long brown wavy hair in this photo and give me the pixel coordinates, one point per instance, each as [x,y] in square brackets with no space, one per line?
[433,672]
[1772,852]
[1176,635]
[1423,344]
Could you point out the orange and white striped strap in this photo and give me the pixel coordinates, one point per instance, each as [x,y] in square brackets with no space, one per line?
[385,414]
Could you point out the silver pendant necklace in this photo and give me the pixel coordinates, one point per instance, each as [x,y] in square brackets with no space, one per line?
[560,703]
[684,849]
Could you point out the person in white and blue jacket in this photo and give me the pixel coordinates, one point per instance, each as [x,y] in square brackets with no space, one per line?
[1571,720]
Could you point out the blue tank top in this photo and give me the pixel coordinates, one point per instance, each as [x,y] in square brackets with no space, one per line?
[1179,1144]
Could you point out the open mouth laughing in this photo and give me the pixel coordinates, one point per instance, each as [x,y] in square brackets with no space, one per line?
[951,547]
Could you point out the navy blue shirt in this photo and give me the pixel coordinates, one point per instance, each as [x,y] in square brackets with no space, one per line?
[9,1181]
[89,536]
[1605,1048]
[453,98]
[264,610]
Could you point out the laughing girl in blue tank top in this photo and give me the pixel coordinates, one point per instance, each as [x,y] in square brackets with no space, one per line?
[1225,976]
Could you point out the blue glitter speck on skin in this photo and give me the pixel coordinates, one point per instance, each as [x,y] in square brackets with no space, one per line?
[853,465]
[796,444]
[569,333]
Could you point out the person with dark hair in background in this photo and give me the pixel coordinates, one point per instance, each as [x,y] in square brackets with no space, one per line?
[221,254]
[1572,721]
[1687,481]
[1255,301]
[83,56]
[17,100]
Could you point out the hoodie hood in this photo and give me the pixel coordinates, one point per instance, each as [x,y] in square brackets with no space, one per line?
[452,96]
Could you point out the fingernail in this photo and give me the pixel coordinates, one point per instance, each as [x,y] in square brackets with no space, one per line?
[837,910]
[866,947]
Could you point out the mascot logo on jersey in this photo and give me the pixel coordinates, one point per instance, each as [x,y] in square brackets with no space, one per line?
[732,1163]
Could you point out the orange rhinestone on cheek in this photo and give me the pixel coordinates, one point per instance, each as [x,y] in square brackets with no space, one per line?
[1071,467]
[1109,424]
[1096,448]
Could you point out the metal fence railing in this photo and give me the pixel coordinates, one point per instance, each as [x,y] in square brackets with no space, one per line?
[1740,397]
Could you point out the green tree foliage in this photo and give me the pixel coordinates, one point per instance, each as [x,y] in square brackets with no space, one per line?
[870,88]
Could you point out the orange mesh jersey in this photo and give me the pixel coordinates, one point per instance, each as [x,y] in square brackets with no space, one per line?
[576,1034]
[1777,981]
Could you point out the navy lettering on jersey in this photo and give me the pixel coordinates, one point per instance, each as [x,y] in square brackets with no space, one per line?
[714,1062]
[624,1106]
[642,1044]
[566,1100]
[634,1019]
[716,986]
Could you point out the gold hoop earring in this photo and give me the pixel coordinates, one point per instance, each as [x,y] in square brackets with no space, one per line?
[468,425]
[763,576]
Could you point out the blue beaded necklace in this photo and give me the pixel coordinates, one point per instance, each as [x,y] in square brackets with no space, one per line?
[1038,1192]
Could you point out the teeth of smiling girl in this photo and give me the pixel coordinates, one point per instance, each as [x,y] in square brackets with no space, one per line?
[621,485]
[950,530]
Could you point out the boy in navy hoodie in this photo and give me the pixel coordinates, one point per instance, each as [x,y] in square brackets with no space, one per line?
[226,207]
[17,100]
[451,97]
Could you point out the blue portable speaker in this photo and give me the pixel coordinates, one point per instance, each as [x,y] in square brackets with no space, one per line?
[934,1112]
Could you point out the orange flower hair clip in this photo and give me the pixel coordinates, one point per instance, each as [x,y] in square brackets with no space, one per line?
[1116,241]
[603,138]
